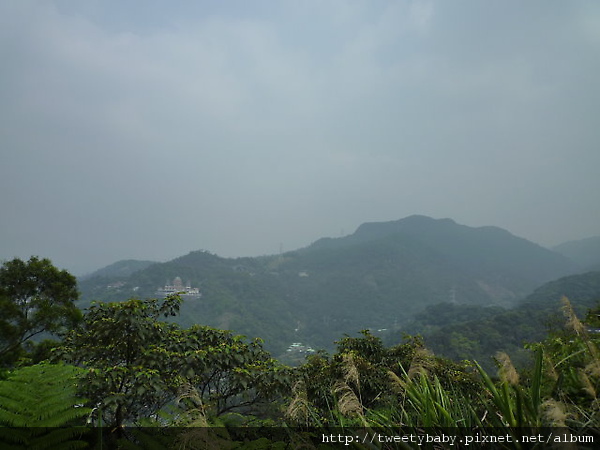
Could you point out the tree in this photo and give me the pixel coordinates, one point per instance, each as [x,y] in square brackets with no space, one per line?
[35,297]
[138,363]
[230,374]
[125,347]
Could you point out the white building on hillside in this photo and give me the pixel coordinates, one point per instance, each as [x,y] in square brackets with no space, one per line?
[178,288]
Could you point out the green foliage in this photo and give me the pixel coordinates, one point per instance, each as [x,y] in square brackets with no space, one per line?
[146,371]
[367,384]
[228,373]
[138,364]
[426,403]
[35,297]
[560,389]
[462,332]
[123,345]
[572,370]
[365,378]
[39,408]
[516,406]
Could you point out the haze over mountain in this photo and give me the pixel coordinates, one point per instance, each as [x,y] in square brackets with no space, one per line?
[123,268]
[144,128]
[378,278]
[585,252]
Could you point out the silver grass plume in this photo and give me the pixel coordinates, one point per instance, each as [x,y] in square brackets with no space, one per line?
[189,392]
[398,384]
[299,408]
[348,403]
[576,325]
[573,322]
[587,384]
[554,413]
[506,369]
[199,434]
[421,363]
[350,371]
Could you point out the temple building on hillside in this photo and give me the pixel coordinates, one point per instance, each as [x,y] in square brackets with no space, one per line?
[178,288]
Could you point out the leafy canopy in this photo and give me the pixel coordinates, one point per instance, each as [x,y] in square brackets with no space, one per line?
[138,364]
[35,297]
[131,372]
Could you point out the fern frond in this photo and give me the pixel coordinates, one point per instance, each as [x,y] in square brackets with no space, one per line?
[35,401]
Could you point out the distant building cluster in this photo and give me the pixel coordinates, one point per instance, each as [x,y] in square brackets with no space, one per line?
[177,287]
[299,347]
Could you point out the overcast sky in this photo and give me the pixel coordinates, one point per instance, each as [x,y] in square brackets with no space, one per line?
[146,129]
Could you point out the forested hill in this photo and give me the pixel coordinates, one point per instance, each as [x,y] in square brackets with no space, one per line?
[462,332]
[377,278]
[484,249]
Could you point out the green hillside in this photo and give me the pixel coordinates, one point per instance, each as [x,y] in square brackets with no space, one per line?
[476,332]
[378,278]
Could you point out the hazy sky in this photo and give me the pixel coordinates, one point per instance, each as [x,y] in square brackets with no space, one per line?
[146,129]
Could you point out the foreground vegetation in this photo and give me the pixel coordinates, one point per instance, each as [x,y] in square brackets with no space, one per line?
[125,369]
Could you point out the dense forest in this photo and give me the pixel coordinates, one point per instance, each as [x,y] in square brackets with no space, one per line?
[479,332]
[137,378]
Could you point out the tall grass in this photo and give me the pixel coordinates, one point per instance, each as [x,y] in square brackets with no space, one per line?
[515,405]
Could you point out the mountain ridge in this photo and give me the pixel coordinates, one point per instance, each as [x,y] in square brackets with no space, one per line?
[585,252]
[377,278]
[437,233]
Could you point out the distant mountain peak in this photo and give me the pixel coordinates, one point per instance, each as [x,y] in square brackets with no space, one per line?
[410,223]
[419,218]
[488,247]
